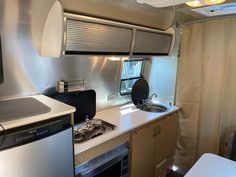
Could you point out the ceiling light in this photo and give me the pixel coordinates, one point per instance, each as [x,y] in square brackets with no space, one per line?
[194,3]
[199,3]
[213,2]
[117,58]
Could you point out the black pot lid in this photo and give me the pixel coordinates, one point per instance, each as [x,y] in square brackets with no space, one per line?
[140,91]
[83,101]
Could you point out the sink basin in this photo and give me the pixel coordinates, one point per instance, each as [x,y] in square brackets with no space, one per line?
[154,108]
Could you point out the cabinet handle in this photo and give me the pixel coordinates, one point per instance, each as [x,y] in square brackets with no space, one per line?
[155,133]
[158,130]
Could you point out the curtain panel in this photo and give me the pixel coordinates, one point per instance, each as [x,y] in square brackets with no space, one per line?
[206,89]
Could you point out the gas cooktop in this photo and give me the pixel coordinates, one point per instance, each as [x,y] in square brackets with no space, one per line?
[91,129]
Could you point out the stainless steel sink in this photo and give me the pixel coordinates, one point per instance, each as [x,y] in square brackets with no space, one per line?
[151,107]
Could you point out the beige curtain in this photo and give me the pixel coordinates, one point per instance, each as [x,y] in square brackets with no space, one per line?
[206,89]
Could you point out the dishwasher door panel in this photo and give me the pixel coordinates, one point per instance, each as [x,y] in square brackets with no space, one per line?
[49,157]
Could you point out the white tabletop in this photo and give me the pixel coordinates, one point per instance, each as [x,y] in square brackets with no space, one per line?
[210,165]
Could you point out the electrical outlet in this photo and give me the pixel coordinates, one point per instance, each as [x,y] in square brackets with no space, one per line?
[112,97]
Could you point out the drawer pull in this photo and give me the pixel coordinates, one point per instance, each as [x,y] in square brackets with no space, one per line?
[155,132]
[158,130]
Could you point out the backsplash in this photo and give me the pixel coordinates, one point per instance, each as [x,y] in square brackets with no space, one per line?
[27,73]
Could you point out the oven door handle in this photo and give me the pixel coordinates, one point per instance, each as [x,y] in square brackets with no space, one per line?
[104,164]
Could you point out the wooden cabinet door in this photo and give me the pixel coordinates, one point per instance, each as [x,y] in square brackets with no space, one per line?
[143,152]
[166,137]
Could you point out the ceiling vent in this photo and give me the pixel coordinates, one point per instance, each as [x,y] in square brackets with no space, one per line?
[217,10]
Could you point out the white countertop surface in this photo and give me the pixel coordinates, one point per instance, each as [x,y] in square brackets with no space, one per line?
[210,165]
[57,109]
[126,118]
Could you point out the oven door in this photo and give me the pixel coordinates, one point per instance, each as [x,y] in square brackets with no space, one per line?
[115,165]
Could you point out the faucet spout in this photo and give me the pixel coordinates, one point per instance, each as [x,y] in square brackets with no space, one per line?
[154,95]
[151,97]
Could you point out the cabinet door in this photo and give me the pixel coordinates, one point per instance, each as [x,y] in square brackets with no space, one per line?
[152,43]
[166,139]
[84,37]
[142,152]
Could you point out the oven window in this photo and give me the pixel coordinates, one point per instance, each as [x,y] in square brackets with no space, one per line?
[113,171]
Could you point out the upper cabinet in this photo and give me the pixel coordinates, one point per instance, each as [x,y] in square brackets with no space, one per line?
[152,43]
[58,33]
[47,27]
[89,35]
[127,11]
[83,37]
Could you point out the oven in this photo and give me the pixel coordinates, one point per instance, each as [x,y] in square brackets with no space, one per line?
[112,163]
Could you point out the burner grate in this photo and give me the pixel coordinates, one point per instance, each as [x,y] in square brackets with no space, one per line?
[91,129]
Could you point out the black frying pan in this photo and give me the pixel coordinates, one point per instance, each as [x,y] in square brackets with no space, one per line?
[140,91]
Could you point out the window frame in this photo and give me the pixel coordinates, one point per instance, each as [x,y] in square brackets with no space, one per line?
[131,78]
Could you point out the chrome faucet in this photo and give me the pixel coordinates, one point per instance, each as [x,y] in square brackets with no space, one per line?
[144,104]
[151,97]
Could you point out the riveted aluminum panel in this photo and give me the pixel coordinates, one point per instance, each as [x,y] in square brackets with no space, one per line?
[89,37]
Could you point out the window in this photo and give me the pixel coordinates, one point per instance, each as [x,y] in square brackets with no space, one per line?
[131,72]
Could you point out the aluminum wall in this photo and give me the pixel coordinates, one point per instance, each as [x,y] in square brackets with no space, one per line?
[26,73]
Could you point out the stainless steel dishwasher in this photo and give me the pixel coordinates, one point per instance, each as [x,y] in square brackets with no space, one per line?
[44,149]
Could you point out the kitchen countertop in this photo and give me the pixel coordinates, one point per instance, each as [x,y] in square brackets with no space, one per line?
[126,118]
[57,109]
[210,165]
